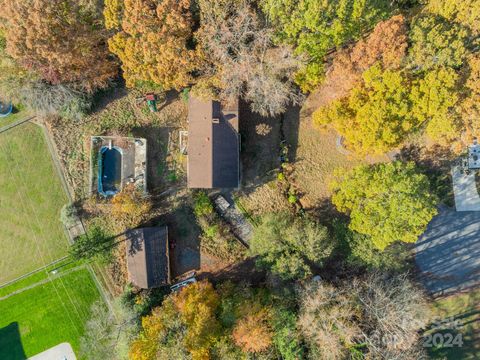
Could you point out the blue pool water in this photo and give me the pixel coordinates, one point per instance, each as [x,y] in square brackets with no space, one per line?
[110,171]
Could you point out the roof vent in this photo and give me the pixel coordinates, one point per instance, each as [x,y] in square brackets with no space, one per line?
[216,120]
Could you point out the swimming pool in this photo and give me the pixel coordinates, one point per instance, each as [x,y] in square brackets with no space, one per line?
[109,170]
[5,108]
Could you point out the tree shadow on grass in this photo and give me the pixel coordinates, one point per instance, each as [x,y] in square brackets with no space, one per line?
[11,347]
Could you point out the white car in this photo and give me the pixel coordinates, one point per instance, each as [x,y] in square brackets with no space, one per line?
[182,284]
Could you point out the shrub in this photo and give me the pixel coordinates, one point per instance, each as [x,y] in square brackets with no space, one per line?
[130,206]
[203,205]
[68,215]
[96,243]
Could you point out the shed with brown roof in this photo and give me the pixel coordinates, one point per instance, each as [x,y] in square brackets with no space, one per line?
[148,257]
[213,145]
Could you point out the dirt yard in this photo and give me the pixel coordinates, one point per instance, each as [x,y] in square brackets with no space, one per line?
[119,113]
[313,153]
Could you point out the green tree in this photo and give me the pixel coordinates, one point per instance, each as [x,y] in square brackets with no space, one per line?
[465,12]
[376,117]
[437,42]
[314,27]
[290,246]
[96,243]
[360,252]
[435,97]
[388,202]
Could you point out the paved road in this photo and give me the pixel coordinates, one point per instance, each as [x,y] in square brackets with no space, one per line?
[62,351]
[448,253]
[465,190]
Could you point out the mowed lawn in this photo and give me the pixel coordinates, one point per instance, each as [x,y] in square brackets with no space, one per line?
[31,197]
[46,315]
[462,313]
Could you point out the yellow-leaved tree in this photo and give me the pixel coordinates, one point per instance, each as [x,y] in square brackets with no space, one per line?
[130,206]
[152,41]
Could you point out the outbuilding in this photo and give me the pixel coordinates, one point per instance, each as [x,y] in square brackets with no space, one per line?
[148,257]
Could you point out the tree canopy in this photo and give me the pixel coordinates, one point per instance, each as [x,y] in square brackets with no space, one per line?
[61,40]
[153,42]
[290,246]
[465,12]
[314,27]
[388,202]
[239,58]
[376,116]
[227,322]
[437,42]
[435,97]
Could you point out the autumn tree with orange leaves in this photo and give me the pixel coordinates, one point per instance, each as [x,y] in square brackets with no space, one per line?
[152,41]
[61,40]
[253,333]
[387,44]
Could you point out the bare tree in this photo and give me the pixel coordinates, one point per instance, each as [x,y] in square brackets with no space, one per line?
[378,315]
[393,310]
[239,52]
[108,335]
[327,321]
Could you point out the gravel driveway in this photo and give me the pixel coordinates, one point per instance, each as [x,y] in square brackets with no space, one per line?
[448,253]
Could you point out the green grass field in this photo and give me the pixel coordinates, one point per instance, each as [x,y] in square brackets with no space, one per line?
[463,312]
[31,197]
[46,315]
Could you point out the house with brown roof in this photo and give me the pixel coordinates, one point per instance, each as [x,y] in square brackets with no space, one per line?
[148,257]
[213,145]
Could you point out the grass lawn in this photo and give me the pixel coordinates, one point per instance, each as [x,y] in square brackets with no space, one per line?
[46,315]
[316,157]
[31,197]
[463,311]
[18,114]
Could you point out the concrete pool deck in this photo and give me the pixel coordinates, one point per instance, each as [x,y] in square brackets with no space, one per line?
[133,160]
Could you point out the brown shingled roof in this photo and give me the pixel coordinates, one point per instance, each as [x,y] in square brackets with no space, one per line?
[213,145]
[148,257]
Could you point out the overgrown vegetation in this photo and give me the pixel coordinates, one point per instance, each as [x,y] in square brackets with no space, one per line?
[291,247]
[217,238]
[335,283]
